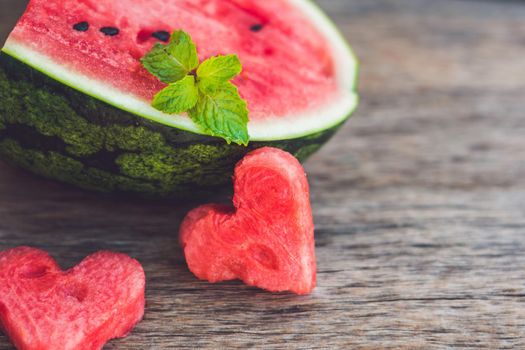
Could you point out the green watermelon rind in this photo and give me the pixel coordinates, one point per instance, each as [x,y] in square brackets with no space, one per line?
[60,133]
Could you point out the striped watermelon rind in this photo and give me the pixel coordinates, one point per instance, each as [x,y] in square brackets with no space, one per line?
[57,132]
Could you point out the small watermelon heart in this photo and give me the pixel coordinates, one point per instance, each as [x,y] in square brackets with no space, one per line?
[43,307]
[267,238]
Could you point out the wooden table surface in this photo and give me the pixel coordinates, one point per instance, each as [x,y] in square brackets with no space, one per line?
[419,203]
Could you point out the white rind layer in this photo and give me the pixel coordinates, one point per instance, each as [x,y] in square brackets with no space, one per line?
[330,114]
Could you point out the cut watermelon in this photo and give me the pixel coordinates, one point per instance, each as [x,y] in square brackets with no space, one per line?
[44,308]
[76,100]
[267,238]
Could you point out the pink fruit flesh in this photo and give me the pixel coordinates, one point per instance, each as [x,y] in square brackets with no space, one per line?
[267,239]
[45,308]
[284,57]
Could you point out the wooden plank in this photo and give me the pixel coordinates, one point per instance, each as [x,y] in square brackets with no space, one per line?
[419,203]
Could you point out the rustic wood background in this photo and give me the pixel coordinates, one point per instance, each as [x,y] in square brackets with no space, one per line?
[419,203]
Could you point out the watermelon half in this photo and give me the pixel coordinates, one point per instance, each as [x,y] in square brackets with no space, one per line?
[75,99]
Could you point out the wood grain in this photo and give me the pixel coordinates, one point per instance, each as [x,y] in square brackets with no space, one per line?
[419,203]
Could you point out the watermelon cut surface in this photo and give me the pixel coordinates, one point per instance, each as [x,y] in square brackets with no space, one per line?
[76,99]
[267,238]
[45,308]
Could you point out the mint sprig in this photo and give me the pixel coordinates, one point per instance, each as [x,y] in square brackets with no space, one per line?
[203,90]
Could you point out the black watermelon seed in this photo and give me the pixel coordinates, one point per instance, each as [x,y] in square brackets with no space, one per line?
[81,26]
[256,28]
[110,31]
[162,35]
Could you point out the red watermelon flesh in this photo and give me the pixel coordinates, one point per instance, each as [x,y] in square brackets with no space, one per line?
[45,308]
[288,64]
[267,238]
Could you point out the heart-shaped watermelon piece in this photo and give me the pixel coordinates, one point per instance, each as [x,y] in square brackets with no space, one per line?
[45,308]
[267,238]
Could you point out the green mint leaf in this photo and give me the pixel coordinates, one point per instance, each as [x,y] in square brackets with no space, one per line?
[178,97]
[159,63]
[219,69]
[172,62]
[223,113]
[184,50]
[205,91]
